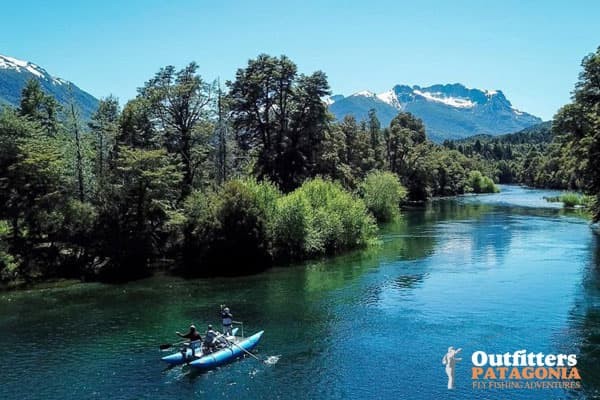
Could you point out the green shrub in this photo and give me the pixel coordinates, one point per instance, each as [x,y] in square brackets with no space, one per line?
[248,224]
[266,195]
[382,194]
[488,186]
[200,227]
[226,229]
[293,234]
[318,218]
[571,199]
[8,263]
[478,183]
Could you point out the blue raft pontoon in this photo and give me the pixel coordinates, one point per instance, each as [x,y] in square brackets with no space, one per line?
[219,357]
[227,354]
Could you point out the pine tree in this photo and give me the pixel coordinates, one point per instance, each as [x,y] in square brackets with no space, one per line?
[39,107]
[104,125]
[376,136]
[79,162]
[136,128]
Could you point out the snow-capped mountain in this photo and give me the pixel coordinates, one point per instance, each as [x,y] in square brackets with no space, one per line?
[15,73]
[450,111]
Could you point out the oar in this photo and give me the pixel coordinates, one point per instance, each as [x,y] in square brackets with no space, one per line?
[241,348]
[169,345]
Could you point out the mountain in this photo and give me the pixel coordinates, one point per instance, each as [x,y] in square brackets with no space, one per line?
[15,73]
[450,111]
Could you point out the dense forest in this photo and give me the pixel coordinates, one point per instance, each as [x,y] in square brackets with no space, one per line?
[224,180]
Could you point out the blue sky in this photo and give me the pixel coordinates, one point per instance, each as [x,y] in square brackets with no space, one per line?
[529,49]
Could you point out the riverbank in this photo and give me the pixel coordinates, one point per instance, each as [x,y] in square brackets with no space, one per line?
[165,267]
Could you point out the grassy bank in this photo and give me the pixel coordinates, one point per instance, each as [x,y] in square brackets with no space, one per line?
[571,200]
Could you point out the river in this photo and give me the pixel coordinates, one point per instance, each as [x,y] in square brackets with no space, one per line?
[495,273]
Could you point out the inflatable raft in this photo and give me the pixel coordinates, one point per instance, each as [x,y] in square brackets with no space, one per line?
[230,353]
[234,349]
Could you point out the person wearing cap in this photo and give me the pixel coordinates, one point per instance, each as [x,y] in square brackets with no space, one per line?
[449,361]
[210,340]
[193,337]
[227,318]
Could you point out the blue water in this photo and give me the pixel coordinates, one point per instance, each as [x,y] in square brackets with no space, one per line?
[494,272]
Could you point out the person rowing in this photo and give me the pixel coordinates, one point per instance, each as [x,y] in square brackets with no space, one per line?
[193,337]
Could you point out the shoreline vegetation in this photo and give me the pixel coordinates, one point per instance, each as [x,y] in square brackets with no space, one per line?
[220,180]
[571,200]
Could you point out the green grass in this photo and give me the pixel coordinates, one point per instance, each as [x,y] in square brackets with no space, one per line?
[571,200]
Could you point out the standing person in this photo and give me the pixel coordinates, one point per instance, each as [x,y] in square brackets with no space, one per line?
[449,361]
[227,318]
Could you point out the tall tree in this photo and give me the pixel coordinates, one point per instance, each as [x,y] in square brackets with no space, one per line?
[180,101]
[143,194]
[39,107]
[332,156]
[221,154]
[279,117]
[104,125]
[135,125]
[376,136]
[309,121]
[352,158]
[31,186]
[405,132]
[74,125]
[580,122]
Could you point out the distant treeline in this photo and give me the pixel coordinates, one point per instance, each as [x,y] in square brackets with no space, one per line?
[208,180]
[560,154]
[508,158]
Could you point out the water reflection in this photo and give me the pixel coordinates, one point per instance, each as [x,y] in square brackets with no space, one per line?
[584,331]
[405,282]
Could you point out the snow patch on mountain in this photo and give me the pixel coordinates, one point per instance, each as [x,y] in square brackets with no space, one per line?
[449,101]
[364,93]
[390,98]
[7,62]
[449,111]
[14,63]
[15,73]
